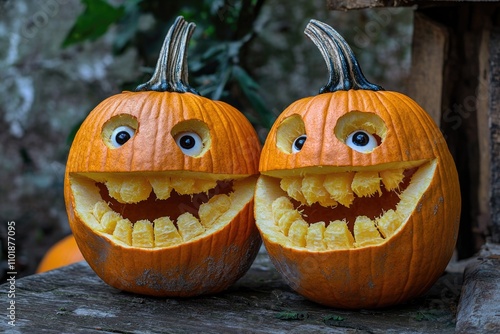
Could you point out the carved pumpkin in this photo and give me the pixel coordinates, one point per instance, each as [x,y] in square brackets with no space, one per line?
[358,204]
[159,185]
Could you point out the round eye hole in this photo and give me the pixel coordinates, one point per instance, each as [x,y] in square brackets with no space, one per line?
[190,143]
[361,141]
[121,135]
[298,143]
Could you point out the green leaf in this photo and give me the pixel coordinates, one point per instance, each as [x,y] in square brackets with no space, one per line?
[93,22]
[251,90]
[331,319]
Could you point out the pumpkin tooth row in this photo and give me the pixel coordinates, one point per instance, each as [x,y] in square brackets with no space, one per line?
[162,232]
[137,189]
[317,236]
[331,189]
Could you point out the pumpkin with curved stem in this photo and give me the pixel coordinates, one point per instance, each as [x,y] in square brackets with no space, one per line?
[358,204]
[159,185]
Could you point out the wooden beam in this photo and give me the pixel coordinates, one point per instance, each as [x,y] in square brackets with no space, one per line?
[73,299]
[359,4]
[428,55]
[479,305]
[484,140]
[494,125]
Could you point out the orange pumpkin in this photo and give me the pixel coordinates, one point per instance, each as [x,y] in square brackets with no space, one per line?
[358,204]
[62,253]
[159,185]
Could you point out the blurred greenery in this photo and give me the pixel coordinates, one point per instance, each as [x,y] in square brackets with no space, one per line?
[224,29]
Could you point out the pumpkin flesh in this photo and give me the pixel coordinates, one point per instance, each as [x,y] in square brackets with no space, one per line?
[329,221]
[157,214]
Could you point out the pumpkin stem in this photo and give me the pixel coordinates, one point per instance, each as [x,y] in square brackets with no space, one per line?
[171,72]
[343,68]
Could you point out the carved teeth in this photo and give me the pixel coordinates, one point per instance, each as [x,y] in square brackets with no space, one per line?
[388,223]
[392,178]
[161,186]
[163,232]
[129,190]
[123,231]
[298,232]
[315,237]
[365,232]
[209,212]
[136,189]
[166,233]
[142,234]
[328,190]
[293,187]
[336,235]
[339,187]
[366,184]
[314,191]
[189,226]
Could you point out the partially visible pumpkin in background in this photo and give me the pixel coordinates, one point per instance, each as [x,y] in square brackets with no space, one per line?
[159,185]
[359,201]
[62,253]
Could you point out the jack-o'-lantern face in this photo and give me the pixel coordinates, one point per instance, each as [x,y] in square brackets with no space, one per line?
[159,185]
[359,201]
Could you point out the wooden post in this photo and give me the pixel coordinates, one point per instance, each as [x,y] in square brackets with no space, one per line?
[494,125]
[428,54]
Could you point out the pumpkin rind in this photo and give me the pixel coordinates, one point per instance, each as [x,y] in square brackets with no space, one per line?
[407,258]
[104,182]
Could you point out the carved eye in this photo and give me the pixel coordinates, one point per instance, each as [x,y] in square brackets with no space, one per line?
[121,135]
[190,143]
[361,141]
[298,143]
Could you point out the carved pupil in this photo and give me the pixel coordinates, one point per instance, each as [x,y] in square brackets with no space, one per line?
[360,139]
[122,137]
[299,142]
[187,142]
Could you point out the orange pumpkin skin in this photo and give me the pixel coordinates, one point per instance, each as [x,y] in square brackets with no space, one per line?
[412,260]
[204,266]
[400,266]
[207,265]
[63,253]
[235,149]
[201,263]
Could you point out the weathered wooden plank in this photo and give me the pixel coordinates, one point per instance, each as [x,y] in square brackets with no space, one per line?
[479,308]
[359,4]
[494,123]
[483,129]
[74,300]
[428,55]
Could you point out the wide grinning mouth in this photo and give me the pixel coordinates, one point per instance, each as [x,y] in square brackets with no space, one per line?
[346,208]
[158,210]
